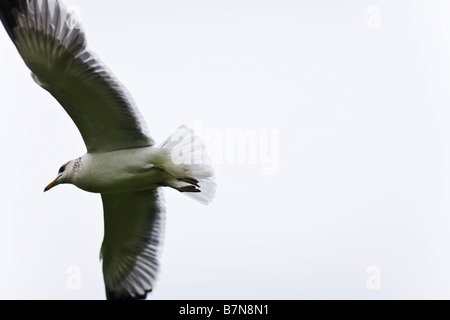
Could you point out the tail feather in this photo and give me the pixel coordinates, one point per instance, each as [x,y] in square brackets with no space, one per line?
[207,191]
[190,165]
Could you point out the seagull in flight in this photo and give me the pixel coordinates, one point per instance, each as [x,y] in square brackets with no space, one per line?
[122,162]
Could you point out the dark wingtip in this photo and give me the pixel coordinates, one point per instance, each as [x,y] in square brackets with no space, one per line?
[7,7]
[110,295]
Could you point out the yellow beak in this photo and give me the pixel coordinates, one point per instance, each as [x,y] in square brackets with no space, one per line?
[52,184]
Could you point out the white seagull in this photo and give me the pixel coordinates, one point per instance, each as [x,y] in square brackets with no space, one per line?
[122,162]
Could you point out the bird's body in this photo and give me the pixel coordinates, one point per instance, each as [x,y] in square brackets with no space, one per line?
[120,171]
[132,170]
[122,162]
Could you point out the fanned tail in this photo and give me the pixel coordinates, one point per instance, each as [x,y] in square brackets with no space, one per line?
[190,165]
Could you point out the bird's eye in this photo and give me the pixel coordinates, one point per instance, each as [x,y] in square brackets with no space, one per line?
[61,170]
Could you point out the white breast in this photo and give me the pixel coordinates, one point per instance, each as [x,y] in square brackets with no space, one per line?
[123,170]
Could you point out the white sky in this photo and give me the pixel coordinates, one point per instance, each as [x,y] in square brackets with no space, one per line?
[362,117]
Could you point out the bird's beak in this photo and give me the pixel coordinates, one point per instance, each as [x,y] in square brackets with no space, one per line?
[52,184]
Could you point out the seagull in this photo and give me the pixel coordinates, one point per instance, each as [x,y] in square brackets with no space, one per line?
[122,161]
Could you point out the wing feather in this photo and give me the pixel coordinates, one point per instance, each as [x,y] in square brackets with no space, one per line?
[53,45]
[134,230]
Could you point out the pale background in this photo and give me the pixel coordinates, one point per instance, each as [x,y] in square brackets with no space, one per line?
[358,92]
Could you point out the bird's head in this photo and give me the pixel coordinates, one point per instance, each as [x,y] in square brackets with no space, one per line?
[64,175]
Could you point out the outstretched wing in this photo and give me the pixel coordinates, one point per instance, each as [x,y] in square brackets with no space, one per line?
[134,228]
[53,45]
